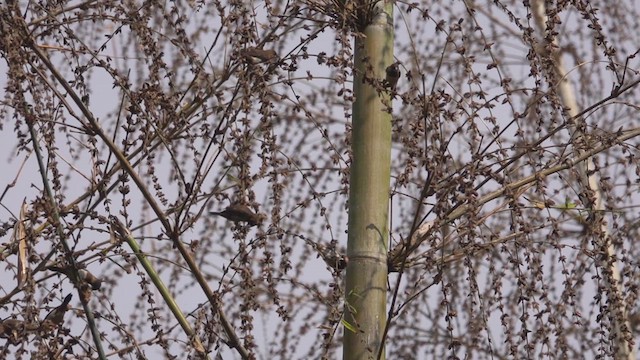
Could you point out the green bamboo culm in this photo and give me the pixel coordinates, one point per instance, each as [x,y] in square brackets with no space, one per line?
[366,284]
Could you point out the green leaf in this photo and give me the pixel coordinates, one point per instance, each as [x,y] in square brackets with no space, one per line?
[348,326]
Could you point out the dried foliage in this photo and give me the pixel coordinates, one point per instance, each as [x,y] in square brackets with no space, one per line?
[513,206]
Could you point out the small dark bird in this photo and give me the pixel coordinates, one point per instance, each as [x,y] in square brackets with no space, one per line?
[334,260]
[15,330]
[8,325]
[12,330]
[56,316]
[257,55]
[94,281]
[393,75]
[240,213]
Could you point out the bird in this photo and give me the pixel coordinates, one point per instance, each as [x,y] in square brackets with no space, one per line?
[239,213]
[257,55]
[94,281]
[83,274]
[56,316]
[9,325]
[333,259]
[15,330]
[392,76]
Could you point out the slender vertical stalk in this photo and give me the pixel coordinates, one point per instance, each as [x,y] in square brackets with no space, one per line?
[593,196]
[366,288]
